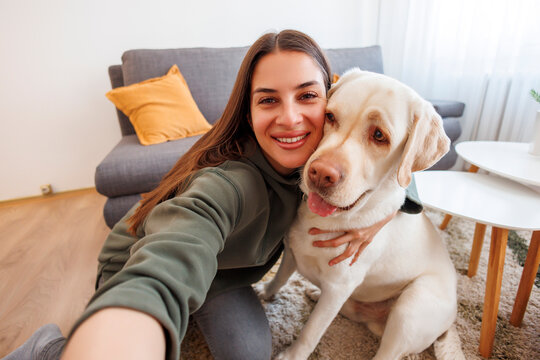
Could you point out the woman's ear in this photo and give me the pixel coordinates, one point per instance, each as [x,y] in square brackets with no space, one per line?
[248,116]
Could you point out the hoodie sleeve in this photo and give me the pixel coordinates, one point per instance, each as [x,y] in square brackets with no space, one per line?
[168,271]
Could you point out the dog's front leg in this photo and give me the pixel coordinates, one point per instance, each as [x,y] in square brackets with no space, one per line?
[331,300]
[286,268]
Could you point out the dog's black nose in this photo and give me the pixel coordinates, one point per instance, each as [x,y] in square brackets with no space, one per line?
[324,174]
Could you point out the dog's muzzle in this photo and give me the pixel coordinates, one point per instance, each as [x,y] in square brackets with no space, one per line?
[324,173]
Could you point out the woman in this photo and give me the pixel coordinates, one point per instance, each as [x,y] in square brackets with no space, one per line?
[214,225]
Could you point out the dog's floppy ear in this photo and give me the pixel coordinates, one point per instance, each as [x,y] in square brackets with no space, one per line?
[426,144]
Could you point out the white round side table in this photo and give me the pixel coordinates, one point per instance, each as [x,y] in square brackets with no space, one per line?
[501,203]
[509,159]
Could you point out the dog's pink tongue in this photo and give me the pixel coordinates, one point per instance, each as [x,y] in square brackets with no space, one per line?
[320,207]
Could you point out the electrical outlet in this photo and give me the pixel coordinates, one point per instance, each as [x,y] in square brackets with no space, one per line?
[46,189]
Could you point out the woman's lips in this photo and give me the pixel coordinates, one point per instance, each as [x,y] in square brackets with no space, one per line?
[292,141]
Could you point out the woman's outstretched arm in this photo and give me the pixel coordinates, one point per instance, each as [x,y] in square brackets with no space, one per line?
[142,337]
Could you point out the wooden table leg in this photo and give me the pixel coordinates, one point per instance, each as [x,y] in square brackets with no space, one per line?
[478,241]
[497,251]
[447,218]
[445,221]
[527,280]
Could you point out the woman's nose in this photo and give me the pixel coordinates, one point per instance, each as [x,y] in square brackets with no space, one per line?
[290,115]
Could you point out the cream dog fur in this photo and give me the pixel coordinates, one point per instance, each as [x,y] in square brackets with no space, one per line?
[403,286]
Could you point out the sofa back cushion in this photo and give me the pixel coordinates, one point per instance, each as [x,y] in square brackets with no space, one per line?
[210,72]
[366,58]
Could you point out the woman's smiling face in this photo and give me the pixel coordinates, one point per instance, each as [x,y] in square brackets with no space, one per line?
[288,100]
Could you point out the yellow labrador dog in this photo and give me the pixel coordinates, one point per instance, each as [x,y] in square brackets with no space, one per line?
[403,286]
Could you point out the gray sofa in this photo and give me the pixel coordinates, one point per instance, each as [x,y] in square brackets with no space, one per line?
[131,168]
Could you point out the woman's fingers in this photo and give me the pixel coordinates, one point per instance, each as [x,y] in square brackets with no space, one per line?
[351,249]
[360,250]
[317,231]
[355,248]
[340,240]
[356,255]
[356,244]
[358,239]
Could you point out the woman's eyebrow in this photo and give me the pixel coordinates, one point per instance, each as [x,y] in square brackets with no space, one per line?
[301,86]
[264,90]
[308,83]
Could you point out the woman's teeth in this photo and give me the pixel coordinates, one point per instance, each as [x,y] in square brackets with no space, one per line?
[291,140]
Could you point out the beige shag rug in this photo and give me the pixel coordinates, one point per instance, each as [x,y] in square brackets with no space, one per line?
[345,339]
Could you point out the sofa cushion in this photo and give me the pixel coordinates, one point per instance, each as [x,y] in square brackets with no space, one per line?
[366,58]
[132,169]
[448,108]
[209,72]
[115,208]
[160,109]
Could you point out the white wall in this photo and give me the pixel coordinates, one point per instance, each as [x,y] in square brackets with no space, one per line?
[56,124]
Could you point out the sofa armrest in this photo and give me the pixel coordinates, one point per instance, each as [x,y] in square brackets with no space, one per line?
[448,108]
[117,79]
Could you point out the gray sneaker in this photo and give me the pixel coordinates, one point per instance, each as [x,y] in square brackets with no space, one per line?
[46,343]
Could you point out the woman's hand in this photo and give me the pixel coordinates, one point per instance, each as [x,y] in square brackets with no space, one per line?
[358,240]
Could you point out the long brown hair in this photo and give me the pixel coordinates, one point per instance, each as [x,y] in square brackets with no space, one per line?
[227,138]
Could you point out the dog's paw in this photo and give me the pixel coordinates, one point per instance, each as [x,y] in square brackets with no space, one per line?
[290,354]
[262,289]
[313,293]
[285,355]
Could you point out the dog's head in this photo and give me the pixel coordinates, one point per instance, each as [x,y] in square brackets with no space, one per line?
[377,130]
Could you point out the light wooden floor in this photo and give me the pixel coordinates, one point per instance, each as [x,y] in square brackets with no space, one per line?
[48,262]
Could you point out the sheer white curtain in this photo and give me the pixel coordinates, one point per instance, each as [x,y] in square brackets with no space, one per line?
[485,53]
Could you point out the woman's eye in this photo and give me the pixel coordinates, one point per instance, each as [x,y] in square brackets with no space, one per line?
[379,136]
[309,95]
[330,118]
[267,100]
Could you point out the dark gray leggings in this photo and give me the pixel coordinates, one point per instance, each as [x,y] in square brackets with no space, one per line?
[233,323]
[235,326]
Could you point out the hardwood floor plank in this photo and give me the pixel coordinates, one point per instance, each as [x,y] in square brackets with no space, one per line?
[48,261]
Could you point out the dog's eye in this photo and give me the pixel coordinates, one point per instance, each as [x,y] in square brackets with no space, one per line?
[330,118]
[379,136]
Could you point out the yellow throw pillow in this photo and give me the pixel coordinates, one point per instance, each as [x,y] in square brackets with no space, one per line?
[160,109]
